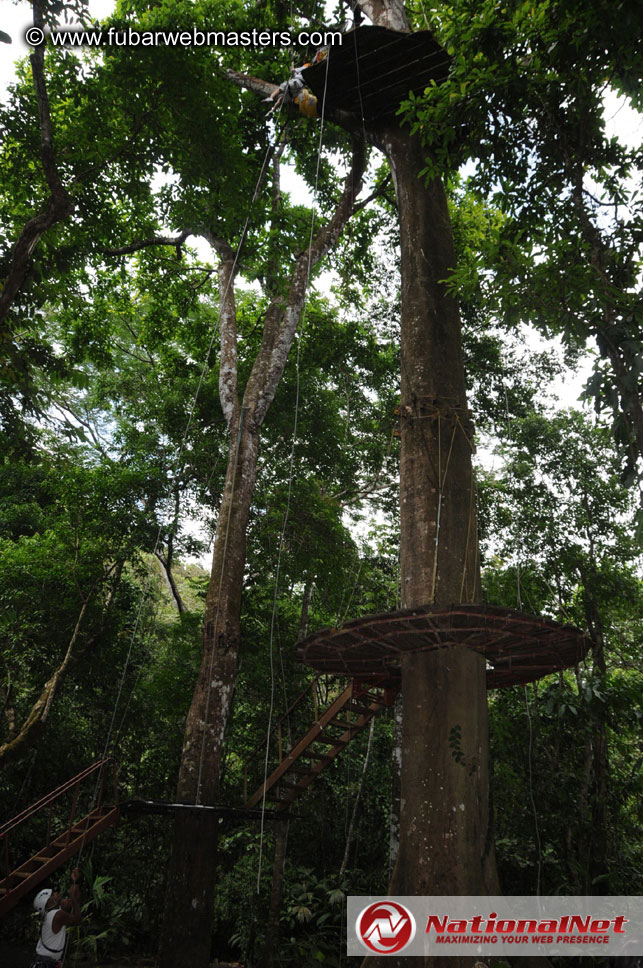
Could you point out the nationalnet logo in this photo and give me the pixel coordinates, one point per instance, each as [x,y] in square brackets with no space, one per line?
[495,926]
[385,927]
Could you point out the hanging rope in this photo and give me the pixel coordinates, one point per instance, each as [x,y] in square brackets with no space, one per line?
[216,621]
[516,536]
[180,465]
[290,481]
[359,84]
[531,795]
[470,528]
[179,460]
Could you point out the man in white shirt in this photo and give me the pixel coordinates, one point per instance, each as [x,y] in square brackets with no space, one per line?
[58,914]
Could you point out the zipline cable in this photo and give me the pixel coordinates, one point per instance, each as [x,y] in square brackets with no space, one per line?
[180,464]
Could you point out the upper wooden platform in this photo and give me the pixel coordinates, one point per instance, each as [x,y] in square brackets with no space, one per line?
[375,69]
[518,647]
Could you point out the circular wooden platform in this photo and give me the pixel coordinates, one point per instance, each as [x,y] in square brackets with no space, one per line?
[518,647]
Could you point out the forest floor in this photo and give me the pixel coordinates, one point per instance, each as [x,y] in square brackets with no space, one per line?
[21,956]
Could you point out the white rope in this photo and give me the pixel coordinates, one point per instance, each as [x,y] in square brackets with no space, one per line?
[216,620]
[531,795]
[179,460]
[516,534]
[290,480]
[234,475]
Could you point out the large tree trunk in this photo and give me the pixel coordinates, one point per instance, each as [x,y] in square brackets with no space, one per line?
[444,843]
[185,938]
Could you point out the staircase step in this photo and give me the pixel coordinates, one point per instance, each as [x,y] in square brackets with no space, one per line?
[330,740]
[275,798]
[371,697]
[342,724]
[293,777]
[358,707]
[77,830]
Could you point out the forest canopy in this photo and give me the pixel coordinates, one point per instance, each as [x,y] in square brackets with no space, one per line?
[200,338]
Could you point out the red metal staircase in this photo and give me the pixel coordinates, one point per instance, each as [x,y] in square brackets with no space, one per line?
[333,730]
[294,772]
[65,840]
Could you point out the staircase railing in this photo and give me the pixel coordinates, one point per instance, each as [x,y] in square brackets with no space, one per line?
[277,741]
[65,832]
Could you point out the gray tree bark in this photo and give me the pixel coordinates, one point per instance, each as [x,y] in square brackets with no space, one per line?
[186,931]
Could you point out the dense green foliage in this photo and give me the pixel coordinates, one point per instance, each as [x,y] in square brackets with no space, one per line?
[528,103]
[113,449]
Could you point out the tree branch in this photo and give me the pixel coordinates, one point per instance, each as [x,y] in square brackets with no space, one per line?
[250,83]
[228,268]
[177,242]
[386,13]
[348,121]
[281,322]
[41,708]
[166,570]
[59,204]
[379,192]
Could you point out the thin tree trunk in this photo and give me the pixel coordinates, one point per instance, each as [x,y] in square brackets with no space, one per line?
[39,712]
[305,608]
[276,895]
[350,836]
[396,783]
[185,939]
[610,341]
[172,587]
[59,205]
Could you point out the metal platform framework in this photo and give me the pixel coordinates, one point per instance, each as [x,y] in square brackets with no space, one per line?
[375,69]
[60,844]
[518,647]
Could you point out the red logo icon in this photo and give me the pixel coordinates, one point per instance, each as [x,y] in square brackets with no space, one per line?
[385,927]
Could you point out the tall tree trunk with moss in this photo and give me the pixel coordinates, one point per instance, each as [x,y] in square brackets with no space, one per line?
[444,822]
[445,844]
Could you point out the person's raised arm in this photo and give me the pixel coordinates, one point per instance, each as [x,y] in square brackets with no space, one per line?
[70,912]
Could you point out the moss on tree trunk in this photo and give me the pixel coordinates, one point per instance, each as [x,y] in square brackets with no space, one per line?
[444,847]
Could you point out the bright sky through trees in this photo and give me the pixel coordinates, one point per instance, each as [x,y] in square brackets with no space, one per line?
[621,121]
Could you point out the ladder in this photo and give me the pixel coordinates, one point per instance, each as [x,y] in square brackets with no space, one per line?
[333,730]
[60,845]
